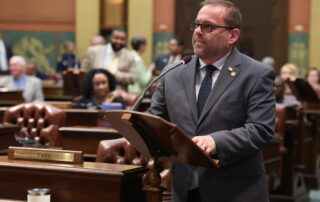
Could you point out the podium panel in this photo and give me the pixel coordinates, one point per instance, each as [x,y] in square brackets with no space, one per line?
[86,138]
[155,137]
[76,183]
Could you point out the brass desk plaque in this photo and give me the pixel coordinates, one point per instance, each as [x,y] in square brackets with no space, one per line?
[52,155]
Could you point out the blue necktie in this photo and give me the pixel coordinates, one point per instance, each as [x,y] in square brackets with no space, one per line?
[205,88]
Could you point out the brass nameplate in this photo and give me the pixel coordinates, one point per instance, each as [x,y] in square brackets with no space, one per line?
[35,154]
[43,156]
[126,116]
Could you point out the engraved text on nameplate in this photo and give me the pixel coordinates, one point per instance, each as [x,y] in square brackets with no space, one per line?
[44,156]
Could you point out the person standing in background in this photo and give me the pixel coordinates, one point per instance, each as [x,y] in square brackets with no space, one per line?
[175,46]
[68,58]
[113,57]
[139,44]
[5,55]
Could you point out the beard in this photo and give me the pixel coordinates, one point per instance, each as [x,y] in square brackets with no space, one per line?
[115,47]
[199,49]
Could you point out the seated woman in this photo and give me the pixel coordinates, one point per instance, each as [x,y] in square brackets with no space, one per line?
[313,77]
[279,88]
[97,86]
[288,71]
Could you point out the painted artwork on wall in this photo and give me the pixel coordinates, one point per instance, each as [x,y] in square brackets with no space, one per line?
[44,47]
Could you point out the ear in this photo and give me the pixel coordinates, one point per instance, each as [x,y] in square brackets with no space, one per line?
[234,35]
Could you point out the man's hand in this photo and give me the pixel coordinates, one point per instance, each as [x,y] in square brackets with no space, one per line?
[205,142]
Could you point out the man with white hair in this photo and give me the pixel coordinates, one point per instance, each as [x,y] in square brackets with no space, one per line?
[5,55]
[18,80]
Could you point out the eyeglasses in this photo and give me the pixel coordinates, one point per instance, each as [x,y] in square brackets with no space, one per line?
[206,28]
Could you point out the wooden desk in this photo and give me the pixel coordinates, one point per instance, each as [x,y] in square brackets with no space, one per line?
[10,97]
[7,136]
[84,117]
[77,183]
[2,111]
[86,138]
[61,104]
[54,92]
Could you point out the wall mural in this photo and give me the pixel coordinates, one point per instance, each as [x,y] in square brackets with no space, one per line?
[298,51]
[160,43]
[44,47]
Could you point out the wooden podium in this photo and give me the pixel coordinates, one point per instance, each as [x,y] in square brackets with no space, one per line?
[155,137]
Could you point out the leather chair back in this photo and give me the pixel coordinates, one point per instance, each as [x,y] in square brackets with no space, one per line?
[38,120]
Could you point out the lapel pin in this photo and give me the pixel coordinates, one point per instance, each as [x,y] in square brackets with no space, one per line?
[233,73]
[230,69]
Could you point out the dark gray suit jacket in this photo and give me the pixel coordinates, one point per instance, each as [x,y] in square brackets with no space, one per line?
[240,117]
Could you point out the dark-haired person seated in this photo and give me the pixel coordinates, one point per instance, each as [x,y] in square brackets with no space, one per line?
[279,88]
[96,91]
[313,77]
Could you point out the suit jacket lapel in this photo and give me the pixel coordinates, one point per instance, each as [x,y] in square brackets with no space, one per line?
[101,52]
[188,79]
[223,81]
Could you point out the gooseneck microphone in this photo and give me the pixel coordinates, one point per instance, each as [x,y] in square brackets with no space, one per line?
[184,60]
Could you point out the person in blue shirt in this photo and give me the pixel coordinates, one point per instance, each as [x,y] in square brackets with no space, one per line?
[68,58]
[31,86]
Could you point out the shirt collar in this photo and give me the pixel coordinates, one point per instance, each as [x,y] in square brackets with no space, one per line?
[22,76]
[218,64]
[109,48]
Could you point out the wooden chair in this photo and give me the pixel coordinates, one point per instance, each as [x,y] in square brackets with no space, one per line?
[308,142]
[292,187]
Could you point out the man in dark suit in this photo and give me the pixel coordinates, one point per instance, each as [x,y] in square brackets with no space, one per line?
[175,46]
[225,101]
[5,55]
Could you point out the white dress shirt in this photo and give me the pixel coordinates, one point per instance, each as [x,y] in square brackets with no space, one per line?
[3,57]
[201,72]
[109,53]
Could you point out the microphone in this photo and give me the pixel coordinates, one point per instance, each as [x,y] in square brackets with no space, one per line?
[184,60]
